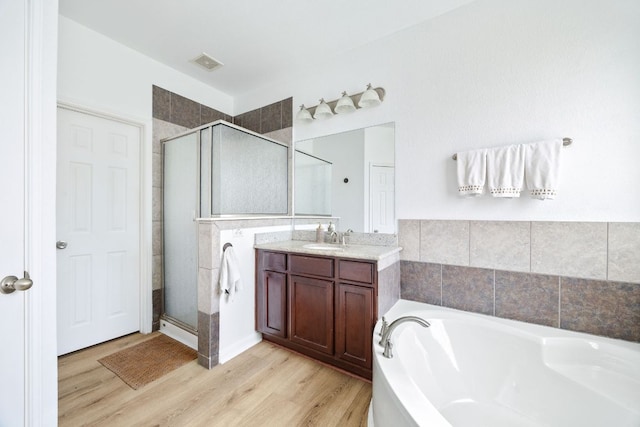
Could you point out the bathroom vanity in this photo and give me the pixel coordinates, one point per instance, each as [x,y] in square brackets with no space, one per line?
[323,301]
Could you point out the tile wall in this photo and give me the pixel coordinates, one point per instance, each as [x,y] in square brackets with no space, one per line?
[581,276]
[173,114]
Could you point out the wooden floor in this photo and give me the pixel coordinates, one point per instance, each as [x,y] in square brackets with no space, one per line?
[265,386]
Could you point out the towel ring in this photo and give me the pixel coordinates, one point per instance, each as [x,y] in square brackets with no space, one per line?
[226,245]
[565,142]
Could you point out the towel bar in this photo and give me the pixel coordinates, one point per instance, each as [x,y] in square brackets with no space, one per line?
[565,142]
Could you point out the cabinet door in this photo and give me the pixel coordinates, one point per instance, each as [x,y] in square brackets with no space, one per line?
[311,308]
[354,324]
[271,304]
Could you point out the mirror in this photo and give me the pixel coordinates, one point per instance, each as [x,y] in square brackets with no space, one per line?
[350,175]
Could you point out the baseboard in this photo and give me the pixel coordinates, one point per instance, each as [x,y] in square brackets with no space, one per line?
[238,347]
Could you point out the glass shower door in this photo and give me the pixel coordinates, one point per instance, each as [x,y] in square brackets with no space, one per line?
[181,202]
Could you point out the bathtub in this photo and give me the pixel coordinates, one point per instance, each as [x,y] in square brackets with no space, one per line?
[473,370]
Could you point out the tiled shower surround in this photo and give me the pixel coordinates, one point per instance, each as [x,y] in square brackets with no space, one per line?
[174,114]
[580,276]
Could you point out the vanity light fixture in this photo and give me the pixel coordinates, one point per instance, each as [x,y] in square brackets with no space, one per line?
[345,104]
[323,111]
[369,98]
[304,115]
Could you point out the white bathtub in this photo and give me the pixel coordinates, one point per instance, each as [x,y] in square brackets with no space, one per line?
[472,370]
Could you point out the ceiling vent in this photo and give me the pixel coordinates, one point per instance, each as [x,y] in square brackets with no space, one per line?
[207,62]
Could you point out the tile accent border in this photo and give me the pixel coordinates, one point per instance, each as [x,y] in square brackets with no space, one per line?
[572,275]
[176,109]
[597,307]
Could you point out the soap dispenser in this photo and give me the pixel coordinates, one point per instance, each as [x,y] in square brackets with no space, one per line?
[319,234]
[331,228]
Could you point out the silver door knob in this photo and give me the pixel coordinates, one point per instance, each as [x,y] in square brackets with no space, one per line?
[11,283]
[61,244]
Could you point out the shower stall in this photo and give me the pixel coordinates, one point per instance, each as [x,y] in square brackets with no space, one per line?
[216,170]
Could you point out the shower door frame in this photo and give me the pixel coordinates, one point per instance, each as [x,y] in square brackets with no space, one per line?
[163,315]
[198,131]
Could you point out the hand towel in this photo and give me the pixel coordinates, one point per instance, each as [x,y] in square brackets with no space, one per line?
[230,281]
[505,171]
[472,168]
[542,168]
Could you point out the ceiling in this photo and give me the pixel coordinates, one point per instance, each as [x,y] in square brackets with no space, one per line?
[259,42]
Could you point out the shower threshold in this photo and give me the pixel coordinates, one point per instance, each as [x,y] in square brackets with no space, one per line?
[173,329]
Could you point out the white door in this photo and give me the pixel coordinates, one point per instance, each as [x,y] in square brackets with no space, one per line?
[382,189]
[28,383]
[98,229]
[12,218]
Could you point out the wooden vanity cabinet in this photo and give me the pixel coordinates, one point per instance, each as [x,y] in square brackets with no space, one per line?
[327,310]
[271,293]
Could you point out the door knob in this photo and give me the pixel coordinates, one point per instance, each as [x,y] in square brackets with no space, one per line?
[12,283]
[61,244]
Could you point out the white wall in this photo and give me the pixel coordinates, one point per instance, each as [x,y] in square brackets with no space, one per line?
[98,72]
[491,73]
[237,315]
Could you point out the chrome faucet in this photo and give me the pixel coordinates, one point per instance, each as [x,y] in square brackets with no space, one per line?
[388,330]
[334,237]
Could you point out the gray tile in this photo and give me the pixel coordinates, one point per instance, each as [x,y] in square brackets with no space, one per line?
[205,257]
[468,288]
[205,289]
[156,242]
[409,239]
[164,129]
[157,272]
[208,115]
[287,112]
[271,117]
[184,112]
[624,252]
[444,242]
[204,334]
[156,168]
[527,297]
[504,245]
[214,343]
[161,108]
[421,281]
[284,135]
[249,120]
[156,301]
[388,287]
[156,196]
[610,309]
[575,249]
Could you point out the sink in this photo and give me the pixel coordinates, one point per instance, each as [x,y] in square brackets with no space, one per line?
[323,247]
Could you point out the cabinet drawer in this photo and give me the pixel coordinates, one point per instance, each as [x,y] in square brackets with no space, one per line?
[300,264]
[356,271]
[274,261]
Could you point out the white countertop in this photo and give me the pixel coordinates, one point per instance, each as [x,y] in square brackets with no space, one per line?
[384,255]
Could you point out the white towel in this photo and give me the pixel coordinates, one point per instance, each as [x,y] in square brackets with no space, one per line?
[505,171]
[542,168]
[230,281]
[472,168]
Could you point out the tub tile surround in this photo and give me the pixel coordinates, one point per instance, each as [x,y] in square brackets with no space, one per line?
[529,271]
[468,288]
